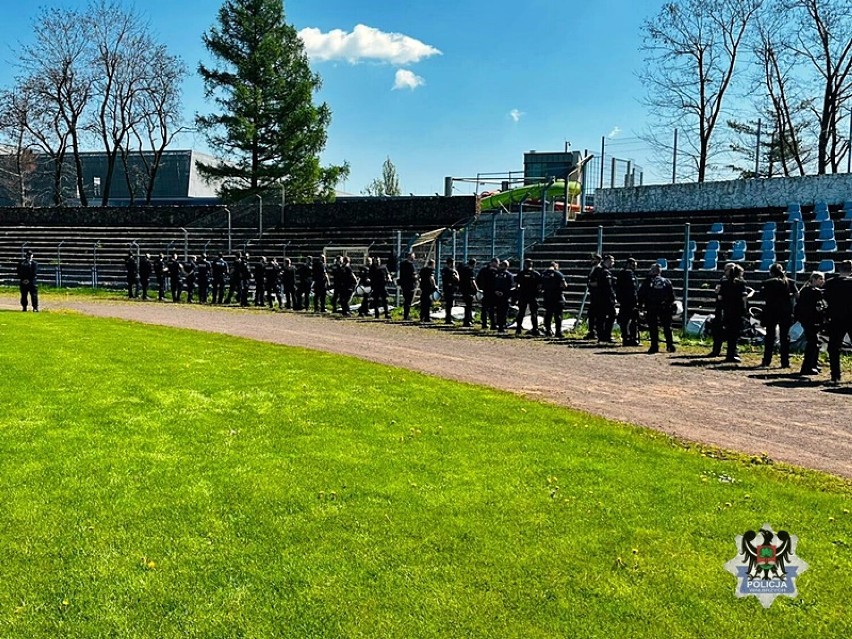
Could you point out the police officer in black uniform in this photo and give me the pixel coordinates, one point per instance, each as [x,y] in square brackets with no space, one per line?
[626,287]
[427,287]
[220,274]
[234,280]
[450,285]
[379,280]
[321,282]
[604,295]
[272,283]
[203,267]
[656,296]
[468,289]
[838,297]
[190,277]
[334,272]
[553,288]
[145,269]
[260,281]
[175,269]
[244,271]
[132,267]
[407,284]
[288,283]
[591,287]
[364,278]
[161,270]
[28,280]
[345,285]
[504,288]
[528,283]
[306,282]
[485,282]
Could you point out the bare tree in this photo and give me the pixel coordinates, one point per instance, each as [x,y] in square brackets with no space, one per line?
[58,83]
[18,162]
[692,49]
[160,114]
[817,35]
[121,45]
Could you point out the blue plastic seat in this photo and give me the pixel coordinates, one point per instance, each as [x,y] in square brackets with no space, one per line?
[717,227]
[711,260]
[738,251]
[794,212]
[663,262]
[765,262]
[798,267]
[826,230]
[767,245]
[847,211]
[821,212]
[770,226]
[828,246]
[826,266]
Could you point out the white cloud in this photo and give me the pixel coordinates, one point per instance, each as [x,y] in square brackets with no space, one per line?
[616,131]
[516,114]
[406,79]
[364,43]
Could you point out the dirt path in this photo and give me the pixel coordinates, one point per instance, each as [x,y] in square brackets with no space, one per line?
[754,411]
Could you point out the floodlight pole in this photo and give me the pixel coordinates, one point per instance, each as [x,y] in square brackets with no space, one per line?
[59,264]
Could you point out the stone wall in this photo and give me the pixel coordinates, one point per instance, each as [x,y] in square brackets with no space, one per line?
[733,194]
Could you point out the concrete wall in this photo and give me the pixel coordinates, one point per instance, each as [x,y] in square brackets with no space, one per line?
[733,194]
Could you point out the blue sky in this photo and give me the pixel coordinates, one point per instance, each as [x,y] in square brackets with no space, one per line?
[440,87]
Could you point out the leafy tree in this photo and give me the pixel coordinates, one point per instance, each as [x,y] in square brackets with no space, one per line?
[387,184]
[267,129]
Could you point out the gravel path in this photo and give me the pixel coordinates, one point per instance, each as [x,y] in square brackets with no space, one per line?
[790,419]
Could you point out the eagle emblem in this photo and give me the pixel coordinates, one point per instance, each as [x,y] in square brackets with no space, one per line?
[766,564]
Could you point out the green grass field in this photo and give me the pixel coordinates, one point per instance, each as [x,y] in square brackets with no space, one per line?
[162,483]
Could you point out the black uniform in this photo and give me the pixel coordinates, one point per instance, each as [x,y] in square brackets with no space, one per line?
[191,274]
[244,271]
[306,282]
[485,282]
[334,272]
[427,287]
[145,268]
[407,283]
[161,270]
[321,282]
[28,278]
[732,298]
[202,273]
[259,282]
[810,312]
[779,295]
[528,282]
[234,280]
[628,318]
[504,286]
[379,278]
[344,287]
[450,286]
[175,269]
[288,285]
[272,283]
[220,274]
[468,290]
[656,296]
[553,286]
[364,278]
[603,300]
[838,296]
[132,267]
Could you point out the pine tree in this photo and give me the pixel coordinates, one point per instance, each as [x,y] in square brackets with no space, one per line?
[267,131]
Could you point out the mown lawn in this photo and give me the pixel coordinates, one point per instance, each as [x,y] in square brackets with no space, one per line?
[163,483]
